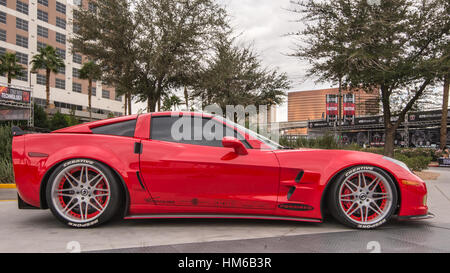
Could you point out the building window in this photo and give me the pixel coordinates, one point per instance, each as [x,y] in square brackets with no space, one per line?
[21,24]
[62,70]
[60,22]
[61,53]
[2,17]
[60,7]
[22,7]
[2,35]
[41,45]
[78,3]
[2,51]
[77,58]
[42,15]
[23,77]
[61,84]
[60,38]
[75,72]
[76,87]
[21,41]
[118,98]
[94,91]
[3,2]
[43,2]
[105,94]
[42,31]
[22,58]
[41,79]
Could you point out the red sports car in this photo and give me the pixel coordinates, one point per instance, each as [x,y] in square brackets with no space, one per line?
[135,167]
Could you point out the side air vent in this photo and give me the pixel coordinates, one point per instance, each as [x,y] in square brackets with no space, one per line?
[299,176]
[290,192]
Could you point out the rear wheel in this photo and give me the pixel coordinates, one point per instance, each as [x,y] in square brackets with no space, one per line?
[363,197]
[83,193]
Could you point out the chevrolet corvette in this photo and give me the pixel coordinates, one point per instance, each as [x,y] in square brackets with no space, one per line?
[137,167]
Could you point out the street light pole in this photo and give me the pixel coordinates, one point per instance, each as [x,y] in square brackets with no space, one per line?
[31,120]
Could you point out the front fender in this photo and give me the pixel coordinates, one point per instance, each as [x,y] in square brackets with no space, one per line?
[322,166]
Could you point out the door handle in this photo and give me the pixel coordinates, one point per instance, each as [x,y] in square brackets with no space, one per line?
[138,148]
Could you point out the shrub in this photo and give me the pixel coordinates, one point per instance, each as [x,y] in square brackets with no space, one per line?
[416,163]
[6,167]
[5,142]
[6,171]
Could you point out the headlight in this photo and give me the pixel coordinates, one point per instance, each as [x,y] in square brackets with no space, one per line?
[398,162]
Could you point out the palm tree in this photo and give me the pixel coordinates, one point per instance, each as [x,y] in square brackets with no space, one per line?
[10,67]
[169,102]
[49,60]
[91,72]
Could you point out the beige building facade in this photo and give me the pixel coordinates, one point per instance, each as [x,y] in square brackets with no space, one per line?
[26,26]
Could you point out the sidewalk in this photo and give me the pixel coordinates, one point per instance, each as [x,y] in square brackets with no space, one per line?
[8,194]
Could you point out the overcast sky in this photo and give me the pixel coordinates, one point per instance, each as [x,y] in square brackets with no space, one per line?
[264,24]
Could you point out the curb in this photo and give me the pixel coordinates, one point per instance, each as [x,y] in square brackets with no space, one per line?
[7,186]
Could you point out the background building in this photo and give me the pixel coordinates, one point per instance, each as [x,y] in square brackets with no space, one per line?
[26,26]
[311,105]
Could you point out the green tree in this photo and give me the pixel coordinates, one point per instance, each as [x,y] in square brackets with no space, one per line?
[92,72]
[50,61]
[40,117]
[443,138]
[10,67]
[173,34]
[71,118]
[236,76]
[390,46]
[58,121]
[108,34]
[143,49]
[171,101]
[444,61]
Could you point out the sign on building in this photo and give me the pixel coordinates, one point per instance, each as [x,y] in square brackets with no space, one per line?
[332,107]
[15,94]
[349,108]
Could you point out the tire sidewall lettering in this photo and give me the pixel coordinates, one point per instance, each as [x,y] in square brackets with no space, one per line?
[357,169]
[78,161]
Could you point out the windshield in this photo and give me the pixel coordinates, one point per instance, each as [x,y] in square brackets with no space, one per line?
[270,143]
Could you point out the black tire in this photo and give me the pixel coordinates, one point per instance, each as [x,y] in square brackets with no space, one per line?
[109,210]
[337,209]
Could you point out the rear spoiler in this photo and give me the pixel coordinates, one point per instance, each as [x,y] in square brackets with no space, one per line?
[16,131]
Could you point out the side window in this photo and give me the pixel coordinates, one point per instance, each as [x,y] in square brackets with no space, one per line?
[125,128]
[200,131]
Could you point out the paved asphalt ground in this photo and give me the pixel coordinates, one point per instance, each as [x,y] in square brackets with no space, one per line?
[38,231]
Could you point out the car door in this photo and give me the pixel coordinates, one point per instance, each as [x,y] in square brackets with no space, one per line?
[202,173]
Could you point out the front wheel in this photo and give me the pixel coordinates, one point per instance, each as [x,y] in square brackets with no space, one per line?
[363,197]
[83,193]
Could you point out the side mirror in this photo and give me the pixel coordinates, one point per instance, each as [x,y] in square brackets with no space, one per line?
[236,144]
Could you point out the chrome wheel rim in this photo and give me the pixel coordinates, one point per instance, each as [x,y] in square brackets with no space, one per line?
[81,193]
[365,197]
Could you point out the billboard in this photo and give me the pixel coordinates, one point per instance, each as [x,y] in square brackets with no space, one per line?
[332,107]
[425,116]
[15,94]
[349,108]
